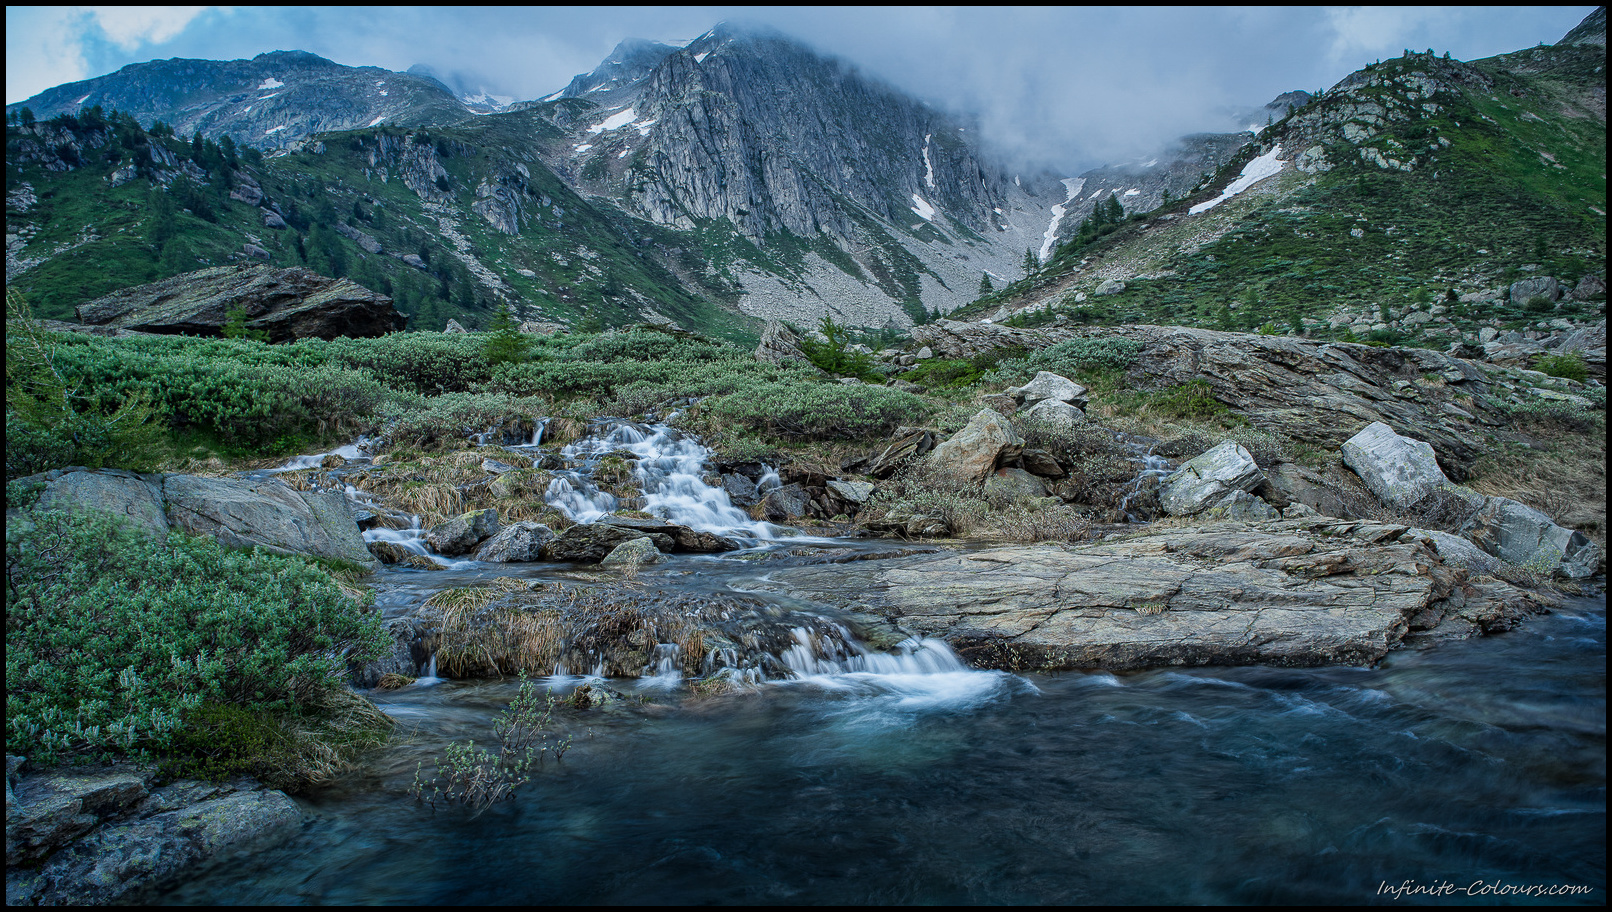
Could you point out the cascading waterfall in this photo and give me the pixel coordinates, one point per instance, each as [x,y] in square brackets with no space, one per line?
[668,470]
[1152,466]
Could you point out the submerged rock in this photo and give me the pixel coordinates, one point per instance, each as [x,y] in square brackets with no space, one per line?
[1290,592]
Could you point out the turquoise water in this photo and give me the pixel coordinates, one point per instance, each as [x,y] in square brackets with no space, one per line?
[1475,763]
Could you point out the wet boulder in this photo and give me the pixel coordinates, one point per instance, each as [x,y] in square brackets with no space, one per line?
[786,503]
[522,541]
[463,533]
[591,542]
[632,553]
[1206,480]
[683,538]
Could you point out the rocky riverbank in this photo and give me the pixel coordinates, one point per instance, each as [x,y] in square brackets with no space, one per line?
[111,835]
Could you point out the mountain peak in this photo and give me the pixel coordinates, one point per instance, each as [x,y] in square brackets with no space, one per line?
[1591,31]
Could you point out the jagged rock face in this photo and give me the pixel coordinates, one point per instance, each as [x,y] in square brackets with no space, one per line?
[270,101]
[762,132]
[288,304]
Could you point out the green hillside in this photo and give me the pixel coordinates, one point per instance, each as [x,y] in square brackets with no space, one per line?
[1441,178]
[412,193]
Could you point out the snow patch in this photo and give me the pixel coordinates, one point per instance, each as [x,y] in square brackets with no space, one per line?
[929,168]
[247,109]
[1255,171]
[273,130]
[615,121]
[1149,164]
[700,57]
[269,83]
[1132,192]
[624,153]
[551,97]
[267,97]
[84,99]
[377,121]
[643,128]
[584,147]
[924,210]
[1072,188]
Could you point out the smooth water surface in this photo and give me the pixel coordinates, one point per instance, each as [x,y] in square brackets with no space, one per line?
[1478,761]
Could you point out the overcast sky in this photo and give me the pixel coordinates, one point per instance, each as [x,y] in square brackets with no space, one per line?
[1073,87]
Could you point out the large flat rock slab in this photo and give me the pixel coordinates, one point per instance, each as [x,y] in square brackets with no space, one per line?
[1298,593]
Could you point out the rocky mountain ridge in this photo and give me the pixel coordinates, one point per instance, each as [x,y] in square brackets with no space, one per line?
[271,101]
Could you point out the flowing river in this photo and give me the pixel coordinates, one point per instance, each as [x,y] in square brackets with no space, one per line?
[1476,768]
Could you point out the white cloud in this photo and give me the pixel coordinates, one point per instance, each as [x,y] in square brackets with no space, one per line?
[44,48]
[131,26]
[47,46]
[1374,31]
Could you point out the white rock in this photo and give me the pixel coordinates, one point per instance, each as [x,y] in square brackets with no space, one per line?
[1055,412]
[1207,479]
[1399,470]
[1048,385]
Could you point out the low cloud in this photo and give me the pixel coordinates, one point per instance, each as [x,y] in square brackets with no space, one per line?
[1064,87]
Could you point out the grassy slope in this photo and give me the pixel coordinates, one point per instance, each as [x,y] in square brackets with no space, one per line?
[1515,186]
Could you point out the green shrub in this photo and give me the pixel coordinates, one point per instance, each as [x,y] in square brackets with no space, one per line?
[1085,355]
[479,778]
[1191,401]
[445,421]
[834,355]
[1569,366]
[852,411]
[112,637]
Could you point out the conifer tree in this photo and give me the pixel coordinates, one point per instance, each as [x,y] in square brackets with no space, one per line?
[505,343]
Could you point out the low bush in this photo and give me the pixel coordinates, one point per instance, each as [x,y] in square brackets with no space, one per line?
[1569,366]
[1085,355]
[802,409]
[479,778]
[112,638]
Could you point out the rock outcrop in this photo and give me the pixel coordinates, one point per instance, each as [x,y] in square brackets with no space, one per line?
[288,304]
[101,836]
[1317,393]
[241,513]
[1291,592]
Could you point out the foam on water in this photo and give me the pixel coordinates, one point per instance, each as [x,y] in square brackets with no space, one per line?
[668,470]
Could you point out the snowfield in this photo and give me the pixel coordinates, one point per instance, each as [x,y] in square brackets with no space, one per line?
[1255,171]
